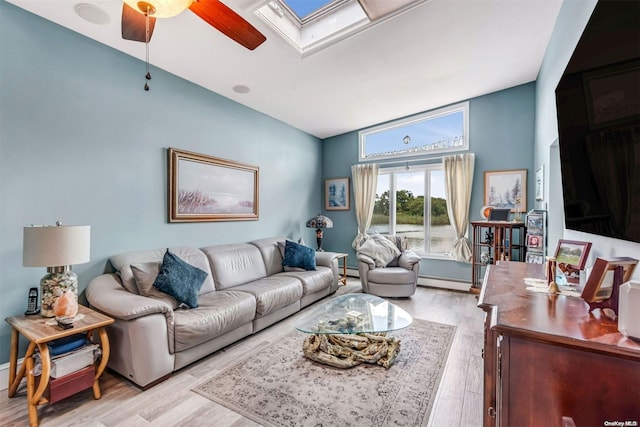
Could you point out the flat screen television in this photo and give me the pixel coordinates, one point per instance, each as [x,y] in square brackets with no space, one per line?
[598,108]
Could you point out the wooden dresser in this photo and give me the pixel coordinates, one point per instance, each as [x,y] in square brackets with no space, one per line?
[546,357]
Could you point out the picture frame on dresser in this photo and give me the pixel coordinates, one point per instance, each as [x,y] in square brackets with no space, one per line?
[601,282]
[572,253]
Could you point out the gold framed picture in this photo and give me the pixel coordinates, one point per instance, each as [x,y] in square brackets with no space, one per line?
[205,188]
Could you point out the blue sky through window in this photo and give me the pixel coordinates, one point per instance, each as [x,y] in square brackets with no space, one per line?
[425,132]
[302,8]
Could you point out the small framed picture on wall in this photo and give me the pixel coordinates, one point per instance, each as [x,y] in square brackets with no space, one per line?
[540,183]
[336,194]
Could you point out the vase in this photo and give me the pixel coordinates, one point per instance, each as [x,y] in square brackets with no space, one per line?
[59,290]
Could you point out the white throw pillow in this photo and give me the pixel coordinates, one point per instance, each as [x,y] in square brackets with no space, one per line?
[380,249]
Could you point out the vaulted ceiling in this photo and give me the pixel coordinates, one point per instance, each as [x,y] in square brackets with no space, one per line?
[436,53]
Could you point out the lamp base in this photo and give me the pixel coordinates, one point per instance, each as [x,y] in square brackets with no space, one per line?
[319,240]
[59,290]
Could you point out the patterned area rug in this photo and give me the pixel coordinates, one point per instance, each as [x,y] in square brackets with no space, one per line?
[277,386]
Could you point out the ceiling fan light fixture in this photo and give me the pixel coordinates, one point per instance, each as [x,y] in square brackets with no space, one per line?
[160,8]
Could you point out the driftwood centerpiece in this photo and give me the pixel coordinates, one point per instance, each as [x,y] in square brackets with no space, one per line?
[341,346]
[349,350]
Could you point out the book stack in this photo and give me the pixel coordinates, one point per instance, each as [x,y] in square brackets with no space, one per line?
[72,366]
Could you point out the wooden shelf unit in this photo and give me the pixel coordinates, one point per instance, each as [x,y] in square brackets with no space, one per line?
[507,243]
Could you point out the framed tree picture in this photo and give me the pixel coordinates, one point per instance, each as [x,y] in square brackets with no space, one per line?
[204,188]
[506,189]
[336,194]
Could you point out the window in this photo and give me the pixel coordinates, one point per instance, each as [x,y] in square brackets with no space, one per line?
[435,132]
[412,203]
[311,25]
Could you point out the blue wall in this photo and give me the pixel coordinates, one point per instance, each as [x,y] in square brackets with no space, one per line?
[501,134]
[81,141]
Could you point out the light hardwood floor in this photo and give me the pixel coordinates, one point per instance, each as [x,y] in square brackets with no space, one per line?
[172,403]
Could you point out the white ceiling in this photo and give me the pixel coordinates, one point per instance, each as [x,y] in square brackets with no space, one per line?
[438,53]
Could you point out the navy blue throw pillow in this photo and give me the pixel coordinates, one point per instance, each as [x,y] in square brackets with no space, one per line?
[180,280]
[299,256]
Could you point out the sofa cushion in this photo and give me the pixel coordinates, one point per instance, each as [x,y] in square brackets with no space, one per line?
[273,293]
[271,253]
[408,259]
[217,314]
[180,280]
[194,256]
[299,256]
[145,274]
[312,281]
[392,275]
[235,264]
[380,249]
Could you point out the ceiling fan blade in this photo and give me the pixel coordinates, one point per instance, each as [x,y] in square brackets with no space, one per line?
[219,16]
[134,25]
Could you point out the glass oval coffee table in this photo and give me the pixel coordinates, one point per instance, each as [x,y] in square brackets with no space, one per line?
[352,329]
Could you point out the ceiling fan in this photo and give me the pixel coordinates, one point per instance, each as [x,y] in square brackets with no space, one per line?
[139,18]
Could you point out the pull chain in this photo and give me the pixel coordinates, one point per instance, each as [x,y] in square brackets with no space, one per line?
[148,75]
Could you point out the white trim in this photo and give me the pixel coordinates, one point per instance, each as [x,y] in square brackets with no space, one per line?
[4,375]
[431,282]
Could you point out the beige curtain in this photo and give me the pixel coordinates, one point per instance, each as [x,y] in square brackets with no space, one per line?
[458,180]
[365,181]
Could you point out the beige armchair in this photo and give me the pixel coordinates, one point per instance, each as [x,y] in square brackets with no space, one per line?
[387,268]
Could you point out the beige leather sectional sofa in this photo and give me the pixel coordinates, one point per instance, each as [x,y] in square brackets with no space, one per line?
[246,290]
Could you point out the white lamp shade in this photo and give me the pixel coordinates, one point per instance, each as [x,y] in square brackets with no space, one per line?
[54,246]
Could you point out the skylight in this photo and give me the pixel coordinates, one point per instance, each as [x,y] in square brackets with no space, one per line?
[304,8]
[310,25]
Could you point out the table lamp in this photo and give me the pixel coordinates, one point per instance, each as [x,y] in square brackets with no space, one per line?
[57,248]
[319,222]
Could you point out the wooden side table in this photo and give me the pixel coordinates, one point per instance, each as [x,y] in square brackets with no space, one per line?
[343,278]
[35,329]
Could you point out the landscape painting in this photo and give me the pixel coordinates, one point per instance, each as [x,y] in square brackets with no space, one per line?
[506,189]
[205,188]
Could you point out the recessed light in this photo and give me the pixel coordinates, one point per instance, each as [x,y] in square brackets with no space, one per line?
[241,89]
[92,13]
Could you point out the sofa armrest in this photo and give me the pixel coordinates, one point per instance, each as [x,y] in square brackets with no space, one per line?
[329,259]
[106,294]
[366,259]
[408,259]
[326,259]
